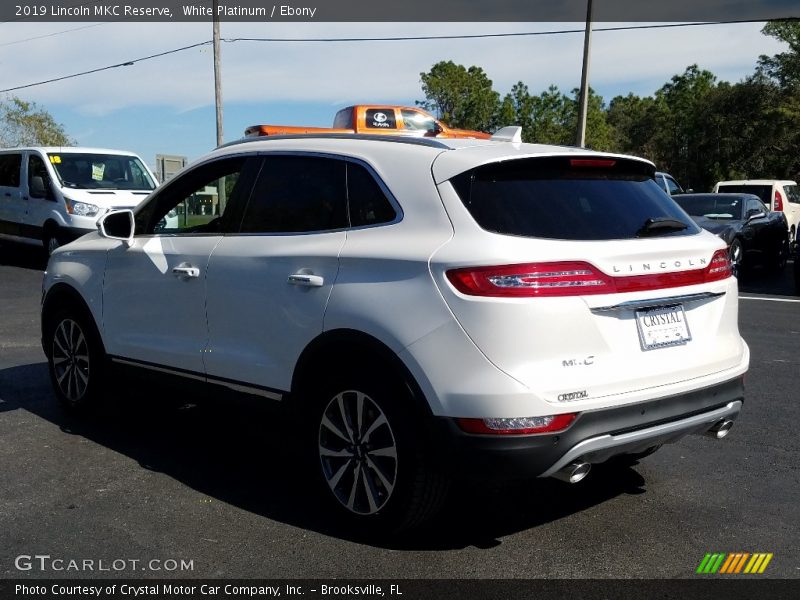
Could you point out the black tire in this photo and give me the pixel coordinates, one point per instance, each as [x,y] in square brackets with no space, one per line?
[51,239]
[778,263]
[75,357]
[736,254]
[797,274]
[372,469]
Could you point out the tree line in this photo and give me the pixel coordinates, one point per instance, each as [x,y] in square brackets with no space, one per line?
[699,129]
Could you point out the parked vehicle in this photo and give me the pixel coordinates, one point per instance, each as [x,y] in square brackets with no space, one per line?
[776,194]
[54,195]
[754,234]
[426,309]
[668,183]
[375,119]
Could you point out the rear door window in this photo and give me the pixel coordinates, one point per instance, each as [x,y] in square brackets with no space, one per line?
[571,199]
[297,194]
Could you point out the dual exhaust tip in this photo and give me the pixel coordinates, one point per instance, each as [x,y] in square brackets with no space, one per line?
[577,471]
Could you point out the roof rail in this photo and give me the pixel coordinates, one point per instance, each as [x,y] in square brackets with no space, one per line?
[508,134]
[417,141]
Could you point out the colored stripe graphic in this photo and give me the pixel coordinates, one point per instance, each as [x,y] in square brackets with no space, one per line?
[731,563]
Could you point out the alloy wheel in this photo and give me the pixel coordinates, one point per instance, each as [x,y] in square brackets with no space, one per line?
[70,356]
[358,452]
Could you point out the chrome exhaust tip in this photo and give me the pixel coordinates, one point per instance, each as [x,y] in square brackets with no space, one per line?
[573,472]
[720,429]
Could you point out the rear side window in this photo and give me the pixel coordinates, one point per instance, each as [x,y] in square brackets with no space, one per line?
[10,165]
[368,204]
[297,194]
[764,192]
[570,198]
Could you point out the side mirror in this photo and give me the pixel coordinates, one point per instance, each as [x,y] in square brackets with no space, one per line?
[437,129]
[38,188]
[118,225]
[690,191]
[755,215]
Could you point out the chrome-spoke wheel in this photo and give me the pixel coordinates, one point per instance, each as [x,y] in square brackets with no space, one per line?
[358,452]
[70,357]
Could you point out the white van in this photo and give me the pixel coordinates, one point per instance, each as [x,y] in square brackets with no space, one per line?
[53,195]
[778,194]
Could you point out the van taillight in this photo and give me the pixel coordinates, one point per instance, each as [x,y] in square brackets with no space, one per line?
[778,204]
[575,279]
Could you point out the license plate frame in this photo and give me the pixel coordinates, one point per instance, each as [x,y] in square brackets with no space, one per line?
[654,336]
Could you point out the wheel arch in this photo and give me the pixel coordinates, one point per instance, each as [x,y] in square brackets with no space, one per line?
[64,295]
[332,348]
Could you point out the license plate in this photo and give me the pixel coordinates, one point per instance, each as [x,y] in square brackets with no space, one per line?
[662,326]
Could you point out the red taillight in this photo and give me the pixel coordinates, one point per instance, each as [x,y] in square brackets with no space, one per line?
[540,279]
[591,162]
[517,425]
[778,204]
[720,267]
[575,279]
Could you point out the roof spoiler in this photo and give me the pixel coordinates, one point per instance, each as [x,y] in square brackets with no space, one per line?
[508,134]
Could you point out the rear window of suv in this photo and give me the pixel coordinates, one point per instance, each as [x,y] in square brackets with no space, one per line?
[762,191]
[570,198]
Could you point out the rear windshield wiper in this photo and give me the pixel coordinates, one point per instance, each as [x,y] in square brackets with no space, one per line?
[660,225]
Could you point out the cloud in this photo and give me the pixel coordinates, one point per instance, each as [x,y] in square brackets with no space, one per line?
[339,73]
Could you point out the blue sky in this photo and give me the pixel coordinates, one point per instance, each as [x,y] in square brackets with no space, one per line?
[166,105]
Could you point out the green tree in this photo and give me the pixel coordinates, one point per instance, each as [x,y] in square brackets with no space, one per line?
[459,96]
[785,66]
[27,124]
[599,132]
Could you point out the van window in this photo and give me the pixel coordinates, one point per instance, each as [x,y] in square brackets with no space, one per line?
[764,192]
[570,199]
[37,169]
[792,194]
[10,165]
[101,171]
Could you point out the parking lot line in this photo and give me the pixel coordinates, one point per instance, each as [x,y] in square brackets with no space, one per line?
[769,299]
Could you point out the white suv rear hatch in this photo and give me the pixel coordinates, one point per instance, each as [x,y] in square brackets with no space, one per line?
[583,271]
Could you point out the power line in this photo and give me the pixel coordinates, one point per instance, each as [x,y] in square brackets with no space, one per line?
[383,39]
[122,64]
[492,35]
[55,33]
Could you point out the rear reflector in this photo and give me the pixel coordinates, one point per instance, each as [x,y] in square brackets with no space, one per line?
[575,279]
[517,425]
[778,204]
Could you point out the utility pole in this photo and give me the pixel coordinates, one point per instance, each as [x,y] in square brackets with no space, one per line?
[218,74]
[584,99]
[221,193]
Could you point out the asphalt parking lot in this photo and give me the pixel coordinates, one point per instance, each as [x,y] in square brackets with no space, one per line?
[147,481]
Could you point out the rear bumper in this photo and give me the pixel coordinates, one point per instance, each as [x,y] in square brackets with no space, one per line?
[594,437]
